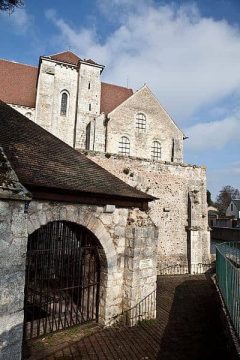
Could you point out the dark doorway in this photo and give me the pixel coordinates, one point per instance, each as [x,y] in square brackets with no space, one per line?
[62,278]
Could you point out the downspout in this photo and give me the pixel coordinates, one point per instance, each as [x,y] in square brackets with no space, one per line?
[76,108]
[106,131]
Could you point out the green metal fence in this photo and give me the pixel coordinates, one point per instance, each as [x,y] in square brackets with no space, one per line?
[228,279]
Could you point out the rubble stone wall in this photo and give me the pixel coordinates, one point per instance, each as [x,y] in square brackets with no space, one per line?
[183,234]
[13,244]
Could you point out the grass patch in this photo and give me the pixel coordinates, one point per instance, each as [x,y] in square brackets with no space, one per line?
[147,322]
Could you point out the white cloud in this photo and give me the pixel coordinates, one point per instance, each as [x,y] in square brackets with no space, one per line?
[213,135]
[187,60]
[20,19]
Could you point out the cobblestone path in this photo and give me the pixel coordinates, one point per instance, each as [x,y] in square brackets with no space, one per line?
[188,327]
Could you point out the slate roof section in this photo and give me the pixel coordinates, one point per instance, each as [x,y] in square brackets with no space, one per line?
[67,57]
[42,160]
[18,83]
[237,203]
[112,96]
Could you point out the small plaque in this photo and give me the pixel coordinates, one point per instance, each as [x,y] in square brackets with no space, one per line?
[145,263]
[109,208]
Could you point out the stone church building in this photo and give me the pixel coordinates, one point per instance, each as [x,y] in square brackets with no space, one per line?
[95,199]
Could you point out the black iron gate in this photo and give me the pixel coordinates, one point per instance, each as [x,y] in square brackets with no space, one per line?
[62,278]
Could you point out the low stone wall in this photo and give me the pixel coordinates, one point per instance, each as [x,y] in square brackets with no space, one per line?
[225,234]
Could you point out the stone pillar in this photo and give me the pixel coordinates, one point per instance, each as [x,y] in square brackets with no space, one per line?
[140,273]
[13,247]
[100,133]
[198,234]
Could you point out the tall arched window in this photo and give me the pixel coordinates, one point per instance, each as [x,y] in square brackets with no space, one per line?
[141,122]
[64,104]
[124,146]
[156,151]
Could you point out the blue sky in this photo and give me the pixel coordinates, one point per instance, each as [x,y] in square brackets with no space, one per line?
[188,52]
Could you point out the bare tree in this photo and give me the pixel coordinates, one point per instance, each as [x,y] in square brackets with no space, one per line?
[9,5]
[209,198]
[226,194]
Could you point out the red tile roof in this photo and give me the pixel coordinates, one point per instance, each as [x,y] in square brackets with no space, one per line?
[112,96]
[90,61]
[18,83]
[66,57]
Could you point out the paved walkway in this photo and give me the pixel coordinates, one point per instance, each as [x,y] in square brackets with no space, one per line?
[188,327]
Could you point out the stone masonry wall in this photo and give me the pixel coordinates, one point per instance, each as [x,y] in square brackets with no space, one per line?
[89,95]
[120,232]
[171,183]
[13,243]
[159,127]
[127,236]
[54,78]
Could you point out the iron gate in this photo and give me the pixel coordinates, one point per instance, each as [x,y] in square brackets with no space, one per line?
[62,278]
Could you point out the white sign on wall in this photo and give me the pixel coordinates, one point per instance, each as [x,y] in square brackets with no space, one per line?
[145,263]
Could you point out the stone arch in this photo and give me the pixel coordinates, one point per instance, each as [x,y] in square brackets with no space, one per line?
[54,253]
[39,217]
[84,218]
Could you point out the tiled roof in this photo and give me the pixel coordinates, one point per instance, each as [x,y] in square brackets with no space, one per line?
[237,203]
[66,57]
[90,61]
[112,96]
[42,160]
[18,83]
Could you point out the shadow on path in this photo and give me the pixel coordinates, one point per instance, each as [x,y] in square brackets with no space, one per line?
[194,329]
[188,327]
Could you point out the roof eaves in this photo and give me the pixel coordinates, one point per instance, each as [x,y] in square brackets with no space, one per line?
[86,62]
[57,61]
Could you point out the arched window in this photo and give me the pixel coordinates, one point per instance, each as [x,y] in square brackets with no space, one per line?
[64,104]
[124,146]
[156,150]
[141,122]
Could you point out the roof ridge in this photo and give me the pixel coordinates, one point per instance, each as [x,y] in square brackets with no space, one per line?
[18,63]
[123,87]
[62,52]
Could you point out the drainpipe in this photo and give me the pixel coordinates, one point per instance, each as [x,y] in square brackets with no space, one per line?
[106,131]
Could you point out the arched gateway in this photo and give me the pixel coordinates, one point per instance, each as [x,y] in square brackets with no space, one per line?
[65,266]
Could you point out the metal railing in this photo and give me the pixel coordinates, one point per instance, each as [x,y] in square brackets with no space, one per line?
[181,269]
[143,310]
[228,279]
